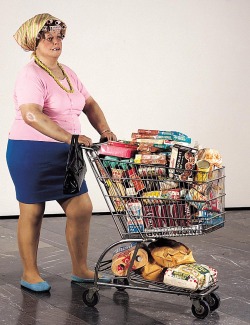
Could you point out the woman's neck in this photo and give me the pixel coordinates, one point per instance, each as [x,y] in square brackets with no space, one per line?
[51,63]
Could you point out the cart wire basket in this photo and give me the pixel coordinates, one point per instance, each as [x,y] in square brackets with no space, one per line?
[148,202]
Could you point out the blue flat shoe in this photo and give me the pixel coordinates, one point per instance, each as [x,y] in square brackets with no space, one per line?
[36,287]
[77,279]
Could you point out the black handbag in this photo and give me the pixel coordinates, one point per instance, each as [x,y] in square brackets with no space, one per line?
[75,169]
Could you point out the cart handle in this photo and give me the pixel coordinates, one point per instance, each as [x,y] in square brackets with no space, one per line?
[95,146]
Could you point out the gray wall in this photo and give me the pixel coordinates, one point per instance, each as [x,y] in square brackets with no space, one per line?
[160,64]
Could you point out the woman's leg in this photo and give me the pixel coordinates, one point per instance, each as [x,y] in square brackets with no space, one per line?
[78,211]
[29,226]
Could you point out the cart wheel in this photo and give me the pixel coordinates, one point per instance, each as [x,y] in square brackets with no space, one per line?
[213,300]
[202,310]
[122,281]
[90,299]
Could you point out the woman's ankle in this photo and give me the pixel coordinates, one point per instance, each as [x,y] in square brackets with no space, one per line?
[32,277]
[86,274]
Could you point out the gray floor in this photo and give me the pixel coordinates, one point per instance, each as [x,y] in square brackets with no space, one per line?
[226,249]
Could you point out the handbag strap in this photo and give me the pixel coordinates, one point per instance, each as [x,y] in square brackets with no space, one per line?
[74,139]
[73,147]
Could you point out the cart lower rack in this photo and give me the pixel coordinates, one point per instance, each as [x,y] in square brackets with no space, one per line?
[149,202]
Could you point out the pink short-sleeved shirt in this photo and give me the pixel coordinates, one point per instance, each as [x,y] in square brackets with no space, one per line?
[35,85]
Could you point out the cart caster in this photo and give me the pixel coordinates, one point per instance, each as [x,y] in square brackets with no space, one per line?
[200,309]
[121,281]
[90,297]
[213,300]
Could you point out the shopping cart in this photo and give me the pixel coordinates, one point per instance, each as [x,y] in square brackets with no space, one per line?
[148,202]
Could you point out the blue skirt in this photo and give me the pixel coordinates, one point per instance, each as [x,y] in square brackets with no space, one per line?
[37,169]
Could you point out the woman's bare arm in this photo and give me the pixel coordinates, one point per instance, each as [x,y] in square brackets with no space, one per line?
[97,119]
[32,115]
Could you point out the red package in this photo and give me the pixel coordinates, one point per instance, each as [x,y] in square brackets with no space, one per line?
[149,219]
[136,180]
[135,136]
[174,214]
[161,214]
[154,159]
[149,132]
[122,144]
[173,194]
[117,149]
[187,215]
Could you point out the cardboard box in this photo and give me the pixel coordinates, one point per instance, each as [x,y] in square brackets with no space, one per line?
[182,162]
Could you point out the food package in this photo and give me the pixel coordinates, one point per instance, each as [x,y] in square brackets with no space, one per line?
[158,212]
[177,214]
[136,135]
[182,162]
[210,218]
[151,197]
[165,215]
[137,159]
[102,170]
[175,136]
[117,149]
[136,180]
[150,217]
[148,132]
[174,254]
[169,135]
[116,191]
[152,272]
[151,141]
[154,159]
[203,188]
[122,257]
[147,148]
[134,216]
[212,156]
[215,202]
[130,191]
[166,146]
[166,184]
[203,167]
[197,199]
[117,174]
[151,171]
[172,194]
[110,161]
[190,276]
[195,195]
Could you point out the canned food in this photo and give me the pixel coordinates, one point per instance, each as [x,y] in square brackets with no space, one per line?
[203,167]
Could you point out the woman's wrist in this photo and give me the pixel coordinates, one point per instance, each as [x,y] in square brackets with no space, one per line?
[68,138]
[106,131]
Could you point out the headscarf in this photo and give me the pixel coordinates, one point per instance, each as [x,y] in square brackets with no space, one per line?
[26,35]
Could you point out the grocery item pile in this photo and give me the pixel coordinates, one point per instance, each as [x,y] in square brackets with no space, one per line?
[161,181]
[169,148]
[164,260]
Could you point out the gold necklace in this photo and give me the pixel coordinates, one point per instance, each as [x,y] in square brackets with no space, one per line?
[43,66]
